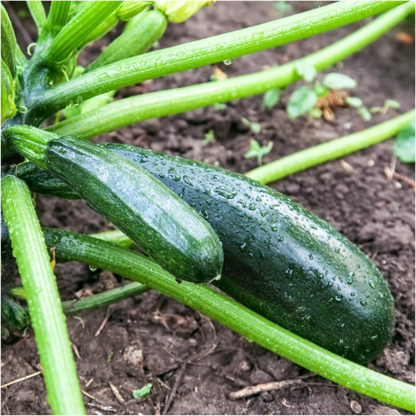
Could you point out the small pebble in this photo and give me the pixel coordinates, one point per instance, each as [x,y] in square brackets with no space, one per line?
[370,163]
[355,407]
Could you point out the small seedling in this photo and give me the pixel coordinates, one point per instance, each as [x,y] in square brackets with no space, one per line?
[208,138]
[306,71]
[283,7]
[143,392]
[220,106]
[386,107]
[252,125]
[301,101]
[271,97]
[404,146]
[357,103]
[258,151]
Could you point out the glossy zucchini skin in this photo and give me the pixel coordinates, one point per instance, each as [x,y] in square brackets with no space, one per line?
[166,228]
[280,260]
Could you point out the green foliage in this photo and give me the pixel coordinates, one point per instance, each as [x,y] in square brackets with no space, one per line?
[306,71]
[301,101]
[320,90]
[271,97]
[258,151]
[404,146]
[209,137]
[364,113]
[336,81]
[283,7]
[89,105]
[143,392]
[252,125]
[354,102]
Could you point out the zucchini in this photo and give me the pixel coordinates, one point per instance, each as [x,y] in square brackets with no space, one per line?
[164,226]
[280,260]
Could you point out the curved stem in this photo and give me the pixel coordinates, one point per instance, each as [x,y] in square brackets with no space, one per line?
[204,52]
[72,246]
[331,150]
[38,13]
[48,320]
[134,109]
[57,18]
[73,33]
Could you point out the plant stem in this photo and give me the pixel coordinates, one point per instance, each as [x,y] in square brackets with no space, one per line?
[103,299]
[203,52]
[73,33]
[72,246]
[134,109]
[331,150]
[57,18]
[38,13]
[48,320]
[73,307]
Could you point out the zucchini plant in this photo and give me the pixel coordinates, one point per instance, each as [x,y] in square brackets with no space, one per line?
[195,223]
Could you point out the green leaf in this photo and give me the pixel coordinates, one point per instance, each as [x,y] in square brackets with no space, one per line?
[209,137]
[301,101]
[320,90]
[143,392]
[392,104]
[257,151]
[89,105]
[336,81]
[364,113]
[315,113]
[271,97]
[220,106]
[283,7]
[354,102]
[306,71]
[254,127]
[404,146]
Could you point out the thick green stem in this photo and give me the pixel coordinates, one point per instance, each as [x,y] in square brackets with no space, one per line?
[72,36]
[136,40]
[29,141]
[38,13]
[72,246]
[158,104]
[48,320]
[331,150]
[57,19]
[204,52]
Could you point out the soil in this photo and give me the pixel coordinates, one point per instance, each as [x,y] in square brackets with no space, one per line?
[151,338]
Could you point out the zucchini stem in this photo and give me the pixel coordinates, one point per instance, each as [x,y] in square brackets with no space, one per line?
[195,54]
[89,303]
[29,141]
[157,104]
[48,320]
[89,250]
[331,150]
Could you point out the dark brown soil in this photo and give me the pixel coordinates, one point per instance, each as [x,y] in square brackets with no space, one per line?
[150,338]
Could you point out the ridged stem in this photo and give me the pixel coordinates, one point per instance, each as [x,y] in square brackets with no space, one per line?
[29,141]
[134,109]
[73,33]
[48,320]
[331,150]
[203,52]
[38,13]
[72,246]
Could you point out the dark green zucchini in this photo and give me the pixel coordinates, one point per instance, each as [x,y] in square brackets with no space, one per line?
[164,226]
[280,260]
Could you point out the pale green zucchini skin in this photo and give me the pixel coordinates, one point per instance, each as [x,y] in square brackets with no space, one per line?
[280,260]
[165,227]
